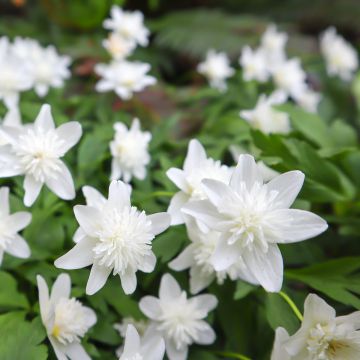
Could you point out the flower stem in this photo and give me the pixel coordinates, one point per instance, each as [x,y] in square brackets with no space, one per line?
[232,355]
[294,308]
[162,193]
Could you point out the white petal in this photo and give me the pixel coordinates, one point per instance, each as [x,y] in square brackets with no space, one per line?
[61,288]
[41,89]
[128,281]
[59,349]
[206,302]
[44,120]
[97,279]
[292,225]
[70,133]
[195,155]
[153,348]
[247,172]
[184,260]
[150,306]
[224,255]
[132,342]
[176,354]
[177,176]
[175,206]
[12,118]
[93,197]
[43,297]
[18,247]
[75,351]
[87,217]
[266,267]
[288,186]
[1,256]
[119,194]
[148,263]
[206,334]
[4,201]
[217,192]
[18,221]
[159,222]
[62,185]
[91,317]
[81,255]
[32,189]
[169,288]
[79,234]
[115,170]
[200,280]
[279,352]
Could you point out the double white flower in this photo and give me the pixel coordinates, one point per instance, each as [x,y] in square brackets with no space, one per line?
[66,320]
[254,64]
[118,239]
[130,151]
[177,319]
[253,218]
[322,335]
[10,224]
[36,150]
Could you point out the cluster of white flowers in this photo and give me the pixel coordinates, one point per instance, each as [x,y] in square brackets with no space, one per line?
[120,75]
[25,64]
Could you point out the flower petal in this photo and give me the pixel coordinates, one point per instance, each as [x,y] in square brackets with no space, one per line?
[119,194]
[75,350]
[132,342]
[150,306]
[177,176]
[128,281]
[217,192]
[44,120]
[184,260]
[43,297]
[70,133]
[18,221]
[199,280]
[61,288]
[93,197]
[153,348]
[32,189]
[18,247]
[148,263]
[159,222]
[62,185]
[169,288]
[195,155]
[207,302]
[87,217]
[175,206]
[224,255]
[206,335]
[97,279]
[174,353]
[279,352]
[4,201]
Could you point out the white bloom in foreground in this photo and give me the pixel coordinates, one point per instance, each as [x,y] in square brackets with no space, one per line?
[118,47]
[128,24]
[35,151]
[322,335]
[46,67]
[124,78]
[118,239]
[198,257]
[129,150]
[278,352]
[148,348]
[267,119]
[289,77]
[273,45]
[254,64]
[197,166]
[11,119]
[177,319]
[308,99]
[66,320]
[216,68]
[253,218]
[341,58]
[10,224]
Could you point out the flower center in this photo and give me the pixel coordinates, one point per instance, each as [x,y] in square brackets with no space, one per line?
[70,321]
[124,238]
[39,153]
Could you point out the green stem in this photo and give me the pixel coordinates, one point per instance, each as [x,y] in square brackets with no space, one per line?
[232,355]
[294,308]
[162,193]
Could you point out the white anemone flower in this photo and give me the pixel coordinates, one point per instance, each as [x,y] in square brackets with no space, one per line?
[129,150]
[10,224]
[278,351]
[36,151]
[124,77]
[197,166]
[289,77]
[118,239]
[254,64]
[253,218]
[65,319]
[265,117]
[198,257]
[118,47]
[273,45]
[179,320]
[308,99]
[323,335]
[128,24]
[341,58]
[46,67]
[147,348]
[216,68]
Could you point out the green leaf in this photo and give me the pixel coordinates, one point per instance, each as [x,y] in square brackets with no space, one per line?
[9,295]
[243,289]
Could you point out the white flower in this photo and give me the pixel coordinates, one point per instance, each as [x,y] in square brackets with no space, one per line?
[308,100]
[118,47]
[124,78]
[289,77]
[14,77]
[140,326]
[216,68]
[253,218]
[148,348]
[46,67]
[36,151]
[267,119]
[178,319]
[341,58]
[198,257]
[273,45]
[10,224]
[278,352]
[324,336]
[118,239]
[129,150]
[254,64]
[11,119]
[129,25]
[66,320]
[197,166]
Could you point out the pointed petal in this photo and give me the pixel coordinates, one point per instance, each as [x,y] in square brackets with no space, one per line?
[93,197]
[150,306]
[128,281]
[61,288]
[75,351]
[200,280]
[195,155]
[174,353]
[87,217]
[177,176]
[63,184]
[59,349]
[70,133]
[148,263]
[217,192]
[153,348]
[169,288]
[132,342]
[4,201]
[44,120]
[206,335]
[32,189]
[119,194]
[207,302]
[79,234]
[97,279]
[225,255]
[174,209]
[18,247]
[18,221]
[159,222]
[279,352]
[184,260]
[43,297]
